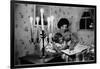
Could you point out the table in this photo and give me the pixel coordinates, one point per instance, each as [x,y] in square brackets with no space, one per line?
[32,59]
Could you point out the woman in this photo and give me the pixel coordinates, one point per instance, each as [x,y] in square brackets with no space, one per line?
[70,38]
[63,39]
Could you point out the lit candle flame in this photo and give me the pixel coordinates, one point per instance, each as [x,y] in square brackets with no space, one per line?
[42,10]
[52,18]
[37,20]
[48,19]
[31,19]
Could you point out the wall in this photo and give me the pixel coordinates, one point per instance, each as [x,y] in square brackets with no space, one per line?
[23,45]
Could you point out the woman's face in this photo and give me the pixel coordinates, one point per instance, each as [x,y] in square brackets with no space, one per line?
[64,27]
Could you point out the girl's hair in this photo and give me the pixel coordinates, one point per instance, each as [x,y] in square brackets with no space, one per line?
[56,37]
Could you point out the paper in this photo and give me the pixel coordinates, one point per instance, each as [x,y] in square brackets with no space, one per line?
[78,48]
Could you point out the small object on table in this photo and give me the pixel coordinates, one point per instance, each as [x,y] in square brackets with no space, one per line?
[65,57]
[77,58]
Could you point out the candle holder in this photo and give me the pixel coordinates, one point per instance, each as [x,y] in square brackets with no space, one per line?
[43,35]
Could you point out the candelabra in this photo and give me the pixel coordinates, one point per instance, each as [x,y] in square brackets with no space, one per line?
[43,35]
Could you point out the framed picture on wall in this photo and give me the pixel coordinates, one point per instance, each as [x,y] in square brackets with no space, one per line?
[52,34]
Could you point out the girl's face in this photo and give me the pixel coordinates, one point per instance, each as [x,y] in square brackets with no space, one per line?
[61,40]
[64,27]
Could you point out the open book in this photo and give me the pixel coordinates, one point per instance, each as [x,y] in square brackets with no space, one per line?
[78,48]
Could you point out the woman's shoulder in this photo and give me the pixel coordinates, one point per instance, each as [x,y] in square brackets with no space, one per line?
[67,33]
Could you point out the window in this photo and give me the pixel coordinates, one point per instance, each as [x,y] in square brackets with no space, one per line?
[87,20]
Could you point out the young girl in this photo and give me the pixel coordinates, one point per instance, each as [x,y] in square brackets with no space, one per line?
[54,48]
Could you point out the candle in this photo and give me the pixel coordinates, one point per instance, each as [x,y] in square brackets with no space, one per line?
[31,20]
[52,19]
[48,20]
[42,11]
[37,29]
[31,28]
[37,20]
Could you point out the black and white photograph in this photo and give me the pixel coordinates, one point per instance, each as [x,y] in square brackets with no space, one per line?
[49,33]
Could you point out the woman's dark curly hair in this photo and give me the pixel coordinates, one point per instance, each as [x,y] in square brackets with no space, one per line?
[63,21]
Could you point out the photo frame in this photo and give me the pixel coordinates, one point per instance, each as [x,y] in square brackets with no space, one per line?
[40,36]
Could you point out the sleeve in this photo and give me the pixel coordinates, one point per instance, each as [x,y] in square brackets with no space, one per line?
[49,48]
[67,36]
